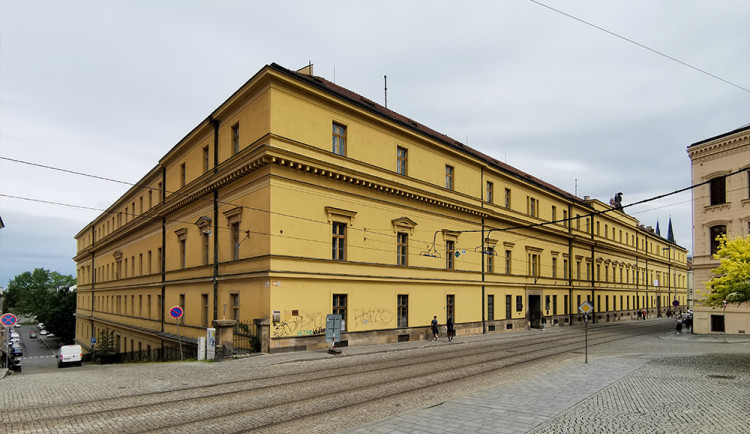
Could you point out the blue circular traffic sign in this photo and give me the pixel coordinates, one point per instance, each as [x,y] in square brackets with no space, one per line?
[175,312]
[8,320]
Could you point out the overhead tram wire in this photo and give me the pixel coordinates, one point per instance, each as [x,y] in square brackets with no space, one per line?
[645,47]
[528,226]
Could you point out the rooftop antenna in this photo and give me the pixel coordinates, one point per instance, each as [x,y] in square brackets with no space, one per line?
[576,186]
[385,89]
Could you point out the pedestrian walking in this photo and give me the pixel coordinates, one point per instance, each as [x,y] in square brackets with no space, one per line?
[678,326]
[434,328]
[451,329]
[544,323]
[644,314]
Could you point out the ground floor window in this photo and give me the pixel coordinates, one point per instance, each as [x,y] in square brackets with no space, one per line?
[717,323]
[403,311]
[490,307]
[339,308]
[450,306]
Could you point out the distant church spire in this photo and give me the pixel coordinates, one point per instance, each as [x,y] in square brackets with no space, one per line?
[658,231]
[670,233]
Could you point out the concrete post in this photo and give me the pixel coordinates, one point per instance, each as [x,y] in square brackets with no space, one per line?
[263,333]
[224,338]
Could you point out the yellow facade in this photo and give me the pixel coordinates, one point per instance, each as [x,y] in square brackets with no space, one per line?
[255,216]
[721,204]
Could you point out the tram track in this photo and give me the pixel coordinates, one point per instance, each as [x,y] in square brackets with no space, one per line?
[279,400]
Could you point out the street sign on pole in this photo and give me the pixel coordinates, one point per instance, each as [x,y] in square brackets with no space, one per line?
[176,313]
[585,308]
[8,320]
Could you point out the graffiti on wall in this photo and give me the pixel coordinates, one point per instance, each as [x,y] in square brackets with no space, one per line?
[302,324]
[373,318]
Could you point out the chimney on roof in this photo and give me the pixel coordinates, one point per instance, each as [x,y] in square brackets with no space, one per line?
[586,197]
[307,70]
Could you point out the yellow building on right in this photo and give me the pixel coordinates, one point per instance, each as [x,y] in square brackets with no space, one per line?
[721,205]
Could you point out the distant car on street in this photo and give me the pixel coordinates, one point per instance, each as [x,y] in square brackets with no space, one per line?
[16,350]
[43,332]
[18,326]
[50,335]
[32,335]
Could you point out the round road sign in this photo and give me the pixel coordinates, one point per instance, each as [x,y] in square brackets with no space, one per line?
[8,320]
[175,312]
[675,303]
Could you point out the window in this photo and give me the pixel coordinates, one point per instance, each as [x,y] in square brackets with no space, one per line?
[554,213]
[339,241]
[565,307]
[519,303]
[507,262]
[490,192]
[339,139]
[554,268]
[718,190]
[182,253]
[339,308]
[490,307]
[182,305]
[533,265]
[450,247]
[204,310]
[578,222]
[507,198]
[235,228]
[716,231]
[402,248]
[401,160]
[578,269]
[508,307]
[182,180]
[450,306]
[490,260]
[449,177]
[565,268]
[205,159]
[235,138]
[140,306]
[566,223]
[235,298]
[532,206]
[606,230]
[148,306]
[403,310]
[205,250]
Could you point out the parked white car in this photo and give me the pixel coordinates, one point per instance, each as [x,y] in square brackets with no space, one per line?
[69,355]
[42,332]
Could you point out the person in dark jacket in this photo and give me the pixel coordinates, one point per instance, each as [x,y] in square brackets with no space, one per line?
[434,325]
[451,329]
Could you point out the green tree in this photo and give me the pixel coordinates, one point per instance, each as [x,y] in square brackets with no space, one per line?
[732,281]
[105,346]
[29,292]
[57,314]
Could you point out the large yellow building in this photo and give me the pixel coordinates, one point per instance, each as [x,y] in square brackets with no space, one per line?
[297,198]
[721,205]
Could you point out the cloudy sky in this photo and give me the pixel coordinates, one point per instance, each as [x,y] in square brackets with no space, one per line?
[106,88]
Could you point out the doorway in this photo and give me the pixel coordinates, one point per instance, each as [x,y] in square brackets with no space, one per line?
[535,311]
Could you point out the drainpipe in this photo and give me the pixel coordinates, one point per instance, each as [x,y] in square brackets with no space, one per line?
[216,123]
[163,259]
[481,202]
[570,264]
[593,271]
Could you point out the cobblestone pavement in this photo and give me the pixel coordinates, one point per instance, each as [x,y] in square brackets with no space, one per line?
[645,384]
[676,383]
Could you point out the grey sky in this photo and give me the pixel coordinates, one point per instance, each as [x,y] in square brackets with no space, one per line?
[107,88]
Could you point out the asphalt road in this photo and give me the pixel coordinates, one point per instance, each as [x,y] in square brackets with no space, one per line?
[39,353]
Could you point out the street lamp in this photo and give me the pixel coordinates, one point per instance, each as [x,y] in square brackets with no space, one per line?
[669,277]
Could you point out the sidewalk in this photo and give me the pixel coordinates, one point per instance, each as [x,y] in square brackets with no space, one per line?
[670,389]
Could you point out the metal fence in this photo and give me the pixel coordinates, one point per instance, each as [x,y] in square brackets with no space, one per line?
[159,354]
[245,338]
